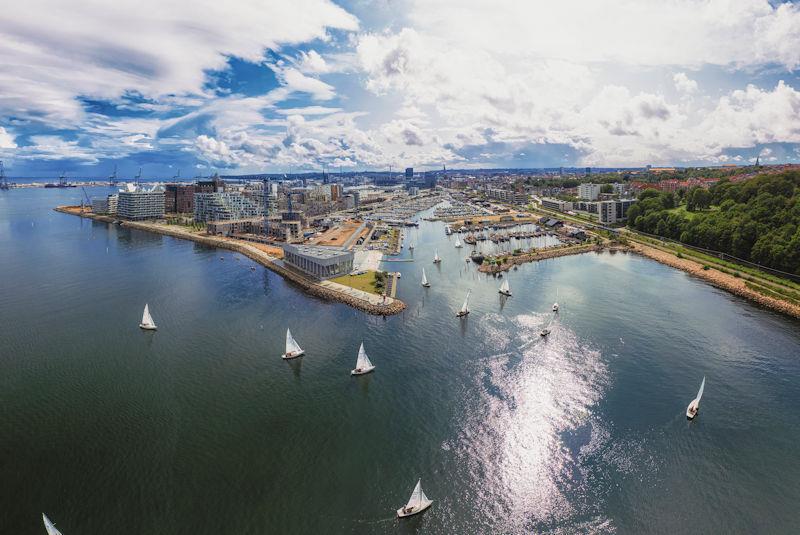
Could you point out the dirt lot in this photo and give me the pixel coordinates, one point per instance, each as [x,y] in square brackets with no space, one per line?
[338,234]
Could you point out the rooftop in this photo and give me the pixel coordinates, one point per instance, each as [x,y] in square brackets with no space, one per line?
[316,251]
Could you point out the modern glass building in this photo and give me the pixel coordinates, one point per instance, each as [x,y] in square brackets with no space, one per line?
[140,205]
[319,262]
[224,206]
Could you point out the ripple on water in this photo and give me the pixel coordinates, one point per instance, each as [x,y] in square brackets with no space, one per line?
[521,444]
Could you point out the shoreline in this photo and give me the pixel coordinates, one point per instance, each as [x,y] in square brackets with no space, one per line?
[326,290]
[542,254]
[735,285]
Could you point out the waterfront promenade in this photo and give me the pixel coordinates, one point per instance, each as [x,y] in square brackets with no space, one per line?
[328,290]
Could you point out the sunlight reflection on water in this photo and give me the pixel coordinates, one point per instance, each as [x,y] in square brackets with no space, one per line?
[522,443]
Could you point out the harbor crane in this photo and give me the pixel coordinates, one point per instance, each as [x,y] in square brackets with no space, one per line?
[112,179]
[88,199]
[3,179]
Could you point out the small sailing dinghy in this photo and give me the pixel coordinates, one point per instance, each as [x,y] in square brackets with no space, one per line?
[363,364]
[417,503]
[458,243]
[505,289]
[49,526]
[425,282]
[147,320]
[293,349]
[555,305]
[436,258]
[465,307]
[694,406]
[544,332]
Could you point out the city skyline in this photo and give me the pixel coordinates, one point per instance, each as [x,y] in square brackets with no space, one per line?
[282,87]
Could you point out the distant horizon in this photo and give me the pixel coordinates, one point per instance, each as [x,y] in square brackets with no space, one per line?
[570,169]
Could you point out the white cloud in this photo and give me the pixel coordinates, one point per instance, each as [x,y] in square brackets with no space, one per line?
[51,52]
[6,139]
[299,82]
[684,84]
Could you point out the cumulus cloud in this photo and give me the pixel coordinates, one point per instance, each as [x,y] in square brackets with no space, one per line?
[683,83]
[6,139]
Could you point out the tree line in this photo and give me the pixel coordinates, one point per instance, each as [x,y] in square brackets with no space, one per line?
[757,219]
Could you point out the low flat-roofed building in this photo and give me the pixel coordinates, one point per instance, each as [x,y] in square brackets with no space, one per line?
[556,204]
[317,261]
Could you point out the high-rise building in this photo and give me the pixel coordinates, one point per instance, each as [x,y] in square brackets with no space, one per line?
[588,171]
[589,191]
[224,206]
[409,173]
[140,205]
[179,198]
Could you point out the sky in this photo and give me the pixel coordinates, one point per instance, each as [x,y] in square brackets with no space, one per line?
[250,86]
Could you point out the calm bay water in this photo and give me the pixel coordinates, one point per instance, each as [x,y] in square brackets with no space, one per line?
[200,427]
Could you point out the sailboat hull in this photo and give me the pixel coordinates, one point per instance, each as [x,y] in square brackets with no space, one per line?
[426,285]
[461,314]
[414,511]
[362,371]
[507,294]
[148,327]
[294,355]
[691,411]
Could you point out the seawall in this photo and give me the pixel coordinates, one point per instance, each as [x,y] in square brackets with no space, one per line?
[392,305]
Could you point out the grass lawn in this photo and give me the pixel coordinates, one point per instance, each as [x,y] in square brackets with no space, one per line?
[359,282]
[681,210]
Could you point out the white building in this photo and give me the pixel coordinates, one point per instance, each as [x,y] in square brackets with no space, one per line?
[589,192]
[317,261]
[556,204]
[224,206]
[139,205]
[613,211]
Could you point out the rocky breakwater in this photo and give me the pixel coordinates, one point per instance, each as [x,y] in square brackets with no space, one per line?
[491,265]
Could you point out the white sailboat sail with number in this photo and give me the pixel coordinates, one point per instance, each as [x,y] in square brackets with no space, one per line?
[293,349]
[363,364]
[464,310]
[417,503]
[49,526]
[147,320]
[505,288]
[425,282]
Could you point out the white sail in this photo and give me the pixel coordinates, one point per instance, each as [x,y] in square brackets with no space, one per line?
[51,529]
[504,288]
[465,306]
[363,362]
[436,256]
[147,319]
[700,392]
[291,345]
[458,242]
[424,278]
[417,496]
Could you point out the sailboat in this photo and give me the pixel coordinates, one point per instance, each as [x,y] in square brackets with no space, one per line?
[425,282]
[51,529]
[293,349]
[465,307]
[555,305]
[458,243]
[436,258]
[147,320]
[363,364]
[505,289]
[694,406]
[411,246]
[417,503]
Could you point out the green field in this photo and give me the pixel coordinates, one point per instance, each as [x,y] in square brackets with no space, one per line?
[363,282]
